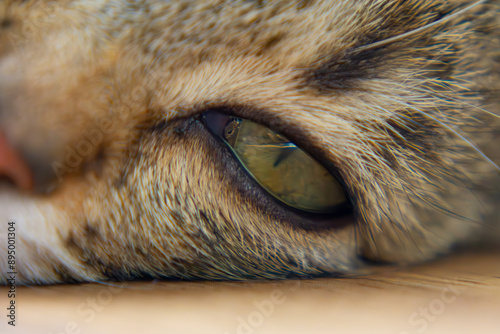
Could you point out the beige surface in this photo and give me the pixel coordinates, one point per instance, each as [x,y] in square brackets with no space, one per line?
[460,294]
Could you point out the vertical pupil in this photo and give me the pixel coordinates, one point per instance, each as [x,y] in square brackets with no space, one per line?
[231,131]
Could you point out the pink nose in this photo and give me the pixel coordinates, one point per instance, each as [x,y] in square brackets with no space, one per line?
[13,167]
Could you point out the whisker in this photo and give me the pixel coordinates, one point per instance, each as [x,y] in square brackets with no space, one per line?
[454,99]
[125,285]
[418,30]
[454,131]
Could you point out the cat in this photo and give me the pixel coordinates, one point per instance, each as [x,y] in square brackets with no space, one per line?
[240,139]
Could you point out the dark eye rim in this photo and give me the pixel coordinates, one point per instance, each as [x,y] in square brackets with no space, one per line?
[216,124]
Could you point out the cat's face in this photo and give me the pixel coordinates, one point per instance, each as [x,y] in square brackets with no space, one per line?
[104,102]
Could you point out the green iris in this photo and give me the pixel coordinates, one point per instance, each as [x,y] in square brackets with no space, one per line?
[278,165]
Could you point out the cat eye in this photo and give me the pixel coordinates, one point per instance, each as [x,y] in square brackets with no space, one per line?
[279,166]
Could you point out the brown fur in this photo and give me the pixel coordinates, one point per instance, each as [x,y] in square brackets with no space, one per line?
[155,195]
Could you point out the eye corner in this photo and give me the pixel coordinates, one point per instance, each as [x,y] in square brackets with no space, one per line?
[215,121]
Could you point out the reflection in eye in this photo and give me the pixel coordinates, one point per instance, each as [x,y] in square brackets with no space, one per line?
[278,165]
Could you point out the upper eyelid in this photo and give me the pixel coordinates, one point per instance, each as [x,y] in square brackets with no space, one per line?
[294,132]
